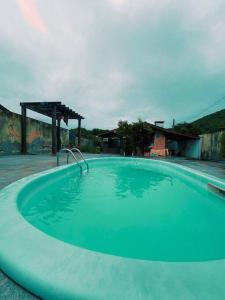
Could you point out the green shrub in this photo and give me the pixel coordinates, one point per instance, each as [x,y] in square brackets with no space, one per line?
[87,148]
[98,150]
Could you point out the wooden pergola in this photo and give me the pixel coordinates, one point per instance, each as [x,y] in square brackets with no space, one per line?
[55,110]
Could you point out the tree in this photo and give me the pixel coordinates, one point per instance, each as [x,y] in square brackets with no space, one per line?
[97,131]
[142,134]
[136,136]
[187,128]
[125,132]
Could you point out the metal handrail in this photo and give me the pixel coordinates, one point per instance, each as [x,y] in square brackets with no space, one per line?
[78,150]
[68,152]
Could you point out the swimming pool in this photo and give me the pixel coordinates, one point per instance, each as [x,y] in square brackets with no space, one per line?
[129,228]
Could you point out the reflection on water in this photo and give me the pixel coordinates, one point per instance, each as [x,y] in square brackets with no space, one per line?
[137,181]
[174,219]
[59,202]
[51,206]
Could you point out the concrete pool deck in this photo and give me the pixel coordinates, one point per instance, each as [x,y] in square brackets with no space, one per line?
[15,167]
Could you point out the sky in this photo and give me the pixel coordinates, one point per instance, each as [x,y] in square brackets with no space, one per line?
[113,60]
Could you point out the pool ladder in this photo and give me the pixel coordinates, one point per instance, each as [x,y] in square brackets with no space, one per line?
[71,152]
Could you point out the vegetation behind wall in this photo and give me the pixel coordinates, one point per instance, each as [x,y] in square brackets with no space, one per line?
[208,124]
[187,128]
[90,143]
[211,123]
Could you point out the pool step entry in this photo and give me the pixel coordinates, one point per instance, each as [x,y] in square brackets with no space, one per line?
[216,189]
[71,152]
[81,155]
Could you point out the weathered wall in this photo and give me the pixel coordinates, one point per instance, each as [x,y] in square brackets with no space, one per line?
[9,133]
[39,136]
[211,144]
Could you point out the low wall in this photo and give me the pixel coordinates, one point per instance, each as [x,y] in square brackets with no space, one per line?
[211,145]
[39,134]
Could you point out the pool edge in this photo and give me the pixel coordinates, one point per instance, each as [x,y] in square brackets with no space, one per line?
[106,266]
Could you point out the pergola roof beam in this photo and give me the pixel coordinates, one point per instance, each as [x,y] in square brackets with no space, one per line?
[46,108]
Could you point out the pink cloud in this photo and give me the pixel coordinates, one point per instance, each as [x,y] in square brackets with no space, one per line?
[31,14]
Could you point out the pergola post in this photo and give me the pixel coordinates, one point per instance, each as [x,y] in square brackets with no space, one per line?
[54,134]
[23,129]
[79,132]
[58,135]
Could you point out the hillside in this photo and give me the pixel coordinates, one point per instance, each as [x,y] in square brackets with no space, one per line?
[211,123]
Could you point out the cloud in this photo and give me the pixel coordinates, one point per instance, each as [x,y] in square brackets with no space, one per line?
[113,59]
[31,14]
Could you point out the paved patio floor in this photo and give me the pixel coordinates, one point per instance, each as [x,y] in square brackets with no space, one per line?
[15,167]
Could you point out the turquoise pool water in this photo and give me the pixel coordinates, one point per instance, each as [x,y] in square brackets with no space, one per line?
[130,208]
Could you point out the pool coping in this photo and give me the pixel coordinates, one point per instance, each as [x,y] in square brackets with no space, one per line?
[77,273]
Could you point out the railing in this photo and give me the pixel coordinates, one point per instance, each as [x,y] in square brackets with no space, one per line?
[68,153]
[77,150]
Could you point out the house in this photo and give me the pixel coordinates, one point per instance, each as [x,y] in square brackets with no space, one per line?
[163,142]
